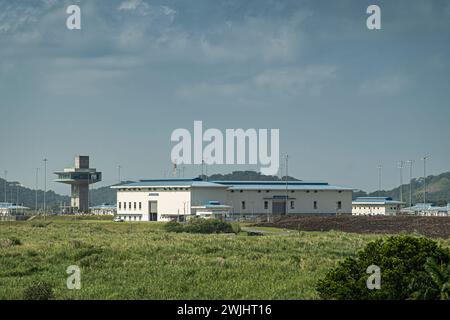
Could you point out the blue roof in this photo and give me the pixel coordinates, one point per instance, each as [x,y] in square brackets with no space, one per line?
[9,205]
[233,185]
[381,200]
[197,182]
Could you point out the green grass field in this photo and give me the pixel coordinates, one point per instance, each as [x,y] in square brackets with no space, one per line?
[142,261]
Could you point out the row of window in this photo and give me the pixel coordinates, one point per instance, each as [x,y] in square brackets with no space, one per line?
[292,191]
[375,208]
[292,205]
[130,205]
[132,218]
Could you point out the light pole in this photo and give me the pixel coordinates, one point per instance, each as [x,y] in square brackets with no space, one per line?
[410,163]
[36,191]
[287,160]
[400,166]
[6,174]
[45,185]
[425,178]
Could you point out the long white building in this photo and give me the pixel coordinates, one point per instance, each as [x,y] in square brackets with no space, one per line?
[374,206]
[168,199]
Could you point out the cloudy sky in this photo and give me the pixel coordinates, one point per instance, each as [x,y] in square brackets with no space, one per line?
[345,98]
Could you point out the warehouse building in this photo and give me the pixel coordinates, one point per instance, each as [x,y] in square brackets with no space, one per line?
[178,199]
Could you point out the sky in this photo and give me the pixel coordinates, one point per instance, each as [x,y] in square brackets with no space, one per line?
[344,97]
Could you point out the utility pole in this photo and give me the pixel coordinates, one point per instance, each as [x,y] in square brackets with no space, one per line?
[425,178]
[6,184]
[400,166]
[410,163]
[36,192]
[287,160]
[45,186]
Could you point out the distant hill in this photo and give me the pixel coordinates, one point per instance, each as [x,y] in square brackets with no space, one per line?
[438,190]
[245,176]
[27,196]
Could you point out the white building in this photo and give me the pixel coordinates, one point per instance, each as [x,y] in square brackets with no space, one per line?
[8,210]
[104,209]
[167,199]
[373,206]
[427,209]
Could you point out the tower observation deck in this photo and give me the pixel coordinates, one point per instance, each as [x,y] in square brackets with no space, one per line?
[79,177]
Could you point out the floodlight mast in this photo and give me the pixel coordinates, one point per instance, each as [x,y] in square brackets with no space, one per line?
[400,167]
[410,163]
[425,158]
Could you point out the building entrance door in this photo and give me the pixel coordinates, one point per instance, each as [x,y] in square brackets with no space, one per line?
[279,207]
[153,210]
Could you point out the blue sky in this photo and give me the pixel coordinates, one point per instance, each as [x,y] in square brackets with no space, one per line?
[344,98]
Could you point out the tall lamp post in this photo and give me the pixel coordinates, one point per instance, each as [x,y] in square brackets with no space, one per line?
[425,158]
[410,163]
[400,167]
[45,185]
[36,192]
[6,184]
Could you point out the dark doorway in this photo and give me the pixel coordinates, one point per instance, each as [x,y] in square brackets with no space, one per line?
[153,210]
[278,207]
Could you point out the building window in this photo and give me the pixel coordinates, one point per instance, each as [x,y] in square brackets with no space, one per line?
[266,204]
[243,205]
[134,206]
[120,205]
[140,205]
[315,205]
[129,205]
[339,205]
[292,204]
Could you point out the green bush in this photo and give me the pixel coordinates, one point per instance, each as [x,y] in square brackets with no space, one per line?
[39,290]
[206,226]
[402,260]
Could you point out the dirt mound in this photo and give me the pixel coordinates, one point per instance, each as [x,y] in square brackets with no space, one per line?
[427,226]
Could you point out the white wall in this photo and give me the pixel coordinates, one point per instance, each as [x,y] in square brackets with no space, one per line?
[178,202]
[364,209]
[303,201]
[169,202]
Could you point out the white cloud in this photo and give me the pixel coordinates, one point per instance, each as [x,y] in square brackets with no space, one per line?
[295,81]
[385,85]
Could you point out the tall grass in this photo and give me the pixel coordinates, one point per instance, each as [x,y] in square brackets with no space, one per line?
[142,261]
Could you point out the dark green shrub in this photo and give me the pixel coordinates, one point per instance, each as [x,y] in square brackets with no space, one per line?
[402,262]
[39,290]
[173,226]
[206,226]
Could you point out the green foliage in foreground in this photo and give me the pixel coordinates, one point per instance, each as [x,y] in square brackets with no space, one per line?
[142,261]
[409,269]
[206,226]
